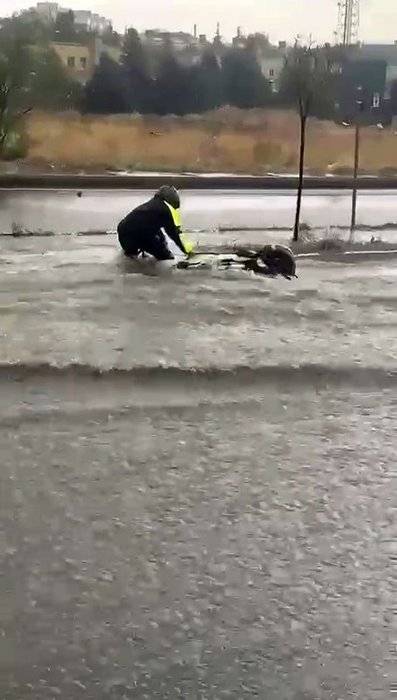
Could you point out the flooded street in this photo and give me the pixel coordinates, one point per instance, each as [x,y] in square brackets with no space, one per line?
[101,210]
[197,478]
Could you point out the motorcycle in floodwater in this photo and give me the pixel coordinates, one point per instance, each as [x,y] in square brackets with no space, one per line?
[269,261]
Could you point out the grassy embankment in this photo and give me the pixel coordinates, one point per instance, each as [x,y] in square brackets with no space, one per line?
[224,141]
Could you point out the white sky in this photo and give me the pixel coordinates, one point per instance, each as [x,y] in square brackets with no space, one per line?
[281,19]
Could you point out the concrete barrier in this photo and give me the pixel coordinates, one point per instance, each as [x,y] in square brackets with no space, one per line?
[188,182]
[347,256]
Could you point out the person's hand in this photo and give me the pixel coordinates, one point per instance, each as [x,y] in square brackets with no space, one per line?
[188,245]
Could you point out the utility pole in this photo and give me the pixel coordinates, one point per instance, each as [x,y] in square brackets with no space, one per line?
[348,21]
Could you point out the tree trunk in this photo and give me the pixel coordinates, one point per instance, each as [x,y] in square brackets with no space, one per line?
[355,181]
[303,121]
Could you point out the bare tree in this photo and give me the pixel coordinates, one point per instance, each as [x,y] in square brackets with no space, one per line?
[309,78]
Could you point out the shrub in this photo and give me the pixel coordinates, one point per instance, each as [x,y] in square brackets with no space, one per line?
[15,146]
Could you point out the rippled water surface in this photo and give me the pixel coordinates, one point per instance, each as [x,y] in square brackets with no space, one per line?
[196,481]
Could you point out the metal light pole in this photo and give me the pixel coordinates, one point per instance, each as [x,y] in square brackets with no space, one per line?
[357,143]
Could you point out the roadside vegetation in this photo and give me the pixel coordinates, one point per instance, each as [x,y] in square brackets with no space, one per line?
[227,140]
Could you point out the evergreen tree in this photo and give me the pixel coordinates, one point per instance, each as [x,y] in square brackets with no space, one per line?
[106,92]
[26,28]
[172,88]
[244,84]
[111,38]
[49,86]
[209,82]
[135,63]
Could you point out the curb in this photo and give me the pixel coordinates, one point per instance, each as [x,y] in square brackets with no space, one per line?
[192,182]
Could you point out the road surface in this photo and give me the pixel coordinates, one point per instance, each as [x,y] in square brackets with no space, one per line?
[197,479]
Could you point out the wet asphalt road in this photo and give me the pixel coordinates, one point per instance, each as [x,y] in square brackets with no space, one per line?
[212,515]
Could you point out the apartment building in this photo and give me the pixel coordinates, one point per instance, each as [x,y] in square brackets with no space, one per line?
[81,60]
[83,19]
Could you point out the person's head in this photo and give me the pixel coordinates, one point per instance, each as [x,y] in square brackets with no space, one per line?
[280,260]
[170,195]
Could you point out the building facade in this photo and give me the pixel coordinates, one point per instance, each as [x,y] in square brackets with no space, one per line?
[370,70]
[83,19]
[81,60]
[386,53]
[48,11]
[76,59]
[272,67]
[362,80]
[180,41]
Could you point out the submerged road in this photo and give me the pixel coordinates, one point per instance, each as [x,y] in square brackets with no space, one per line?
[197,479]
[90,210]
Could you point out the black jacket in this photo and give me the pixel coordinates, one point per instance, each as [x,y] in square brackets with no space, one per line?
[147,220]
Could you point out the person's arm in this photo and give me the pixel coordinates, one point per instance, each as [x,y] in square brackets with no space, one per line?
[174,232]
[173,228]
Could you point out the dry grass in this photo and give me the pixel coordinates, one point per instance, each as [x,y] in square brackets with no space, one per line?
[227,140]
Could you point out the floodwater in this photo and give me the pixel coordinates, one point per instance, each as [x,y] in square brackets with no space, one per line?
[67,212]
[197,479]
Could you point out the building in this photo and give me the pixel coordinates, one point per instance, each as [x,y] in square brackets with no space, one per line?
[91,22]
[271,59]
[80,60]
[48,11]
[101,25]
[83,19]
[188,47]
[381,52]
[272,65]
[180,41]
[77,59]
[370,71]
[239,41]
[362,80]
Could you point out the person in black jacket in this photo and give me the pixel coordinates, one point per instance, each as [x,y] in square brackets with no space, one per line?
[141,231]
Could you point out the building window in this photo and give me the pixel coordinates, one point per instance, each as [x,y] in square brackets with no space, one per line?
[83,62]
[71,62]
[271,72]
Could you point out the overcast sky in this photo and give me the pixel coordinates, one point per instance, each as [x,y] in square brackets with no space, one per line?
[281,19]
